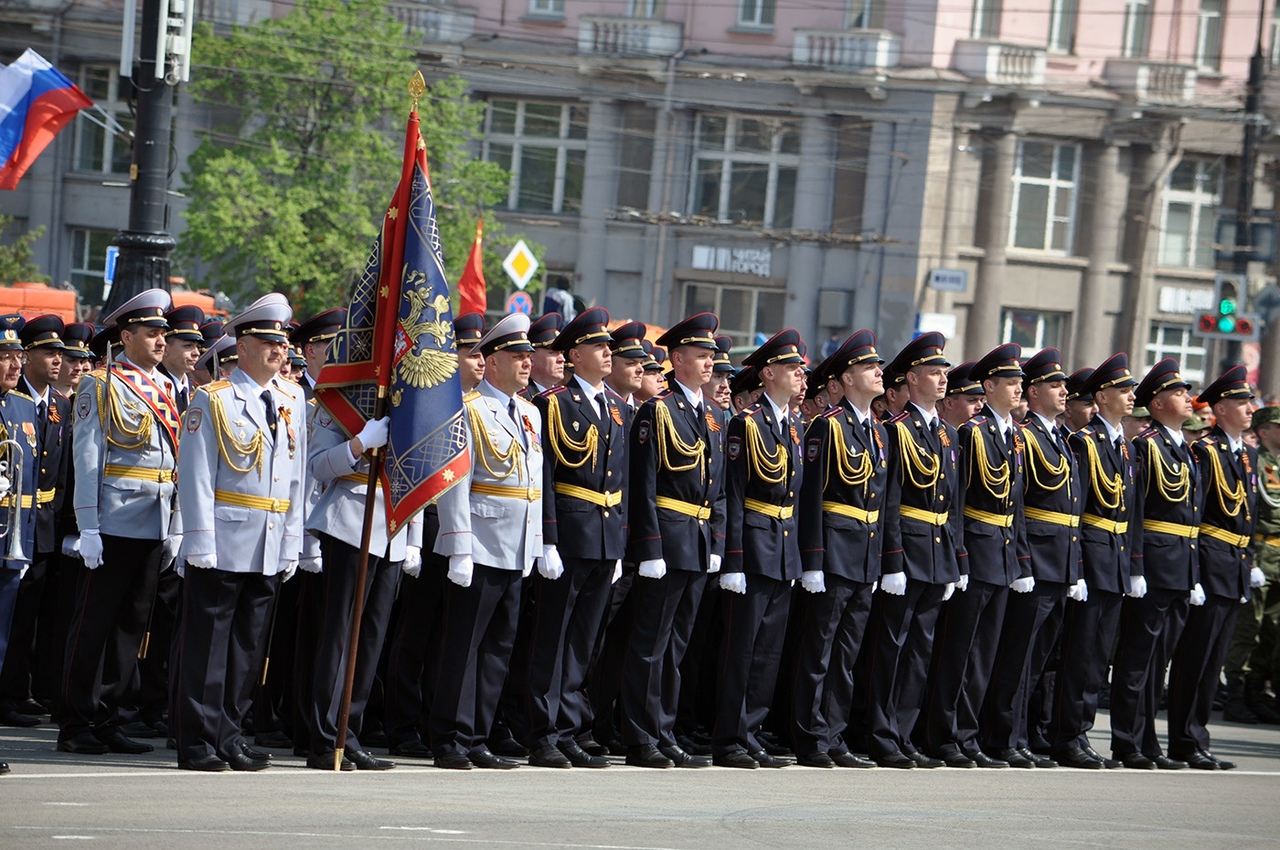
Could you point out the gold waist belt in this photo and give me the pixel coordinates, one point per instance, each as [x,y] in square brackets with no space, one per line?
[998,520]
[357,478]
[1268,539]
[1190,532]
[1069,520]
[869,517]
[773,511]
[1107,525]
[686,508]
[923,515]
[242,500]
[1238,540]
[604,500]
[506,491]
[119,470]
[43,497]
[7,501]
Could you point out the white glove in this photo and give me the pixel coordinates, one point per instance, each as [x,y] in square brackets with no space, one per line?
[290,567]
[656,568]
[22,571]
[5,485]
[1137,586]
[617,571]
[460,569]
[551,567]
[374,433]
[91,548]
[894,584]
[1078,592]
[412,563]
[962,585]
[204,562]
[734,582]
[71,546]
[714,565]
[1023,585]
[814,581]
[172,544]
[1257,578]
[1197,595]
[949,591]
[311,565]
[875,585]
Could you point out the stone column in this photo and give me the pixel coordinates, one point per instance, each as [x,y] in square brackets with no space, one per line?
[815,181]
[599,188]
[1106,221]
[995,214]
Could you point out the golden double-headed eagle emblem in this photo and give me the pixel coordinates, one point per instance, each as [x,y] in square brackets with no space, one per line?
[423,366]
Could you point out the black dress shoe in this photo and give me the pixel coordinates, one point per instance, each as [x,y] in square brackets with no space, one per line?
[509,748]
[275,740]
[324,761]
[33,706]
[254,753]
[4,768]
[1077,758]
[681,758]
[1198,760]
[1037,759]
[1014,758]
[1166,763]
[138,729]
[896,759]
[764,758]
[487,760]
[1223,764]
[579,757]
[616,747]
[689,745]
[453,760]
[981,759]
[734,758]
[1109,764]
[117,743]
[955,758]
[924,761]
[1137,761]
[1041,746]
[365,760]
[548,756]
[13,717]
[240,761]
[85,743]
[206,764]
[648,755]
[816,760]
[591,747]
[412,749]
[847,759]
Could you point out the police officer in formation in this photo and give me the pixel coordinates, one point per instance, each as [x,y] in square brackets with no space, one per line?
[951,582]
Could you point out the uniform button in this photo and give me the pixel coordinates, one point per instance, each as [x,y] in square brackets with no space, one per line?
[872,534]
[702,522]
[786,533]
[790,495]
[873,495]
[1194,509]
[937,540]
[1122,548]
[1074,538]
[1006,543]
[941,496]
[1074,499]
[277,478]
[711,481]
[942,476]
[606,513]
[609,452]
[1193,545]
[609,474]
[270,525]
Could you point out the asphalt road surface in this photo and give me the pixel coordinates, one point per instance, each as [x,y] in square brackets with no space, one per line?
[53,798]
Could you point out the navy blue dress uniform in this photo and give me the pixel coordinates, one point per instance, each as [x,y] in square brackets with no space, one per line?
[125,445]
[995,548]
[1229,475]
[764,466]
[676,494]
[184,324]
[220,358]
[1164,554]
[241,480]
[924,542]
[585,526]
[1052,508]
[53,446]
[542,332]
[841,515]
[1107,525]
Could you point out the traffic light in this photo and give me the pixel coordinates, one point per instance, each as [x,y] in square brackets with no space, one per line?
[1226,321]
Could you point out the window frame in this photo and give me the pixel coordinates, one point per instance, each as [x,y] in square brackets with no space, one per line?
[86,264]
[88,131]
[1154,352]
[1063,18]
[764,16]
[728,154]
[546,8]
[985,22]
[1055,183]
[1063,318]
[1200,201]
[562,144]
[741,336]
[1210,24]
[1136,22]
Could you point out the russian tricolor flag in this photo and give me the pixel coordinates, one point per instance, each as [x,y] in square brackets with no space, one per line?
[36,102]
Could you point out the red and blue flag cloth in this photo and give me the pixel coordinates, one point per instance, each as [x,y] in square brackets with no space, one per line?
[398,342]
[36,102]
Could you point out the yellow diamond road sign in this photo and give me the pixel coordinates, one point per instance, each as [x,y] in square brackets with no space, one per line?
[521,265]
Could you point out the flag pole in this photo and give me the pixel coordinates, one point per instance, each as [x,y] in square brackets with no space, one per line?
[417,87]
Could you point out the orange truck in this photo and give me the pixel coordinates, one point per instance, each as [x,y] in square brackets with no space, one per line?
[37,299]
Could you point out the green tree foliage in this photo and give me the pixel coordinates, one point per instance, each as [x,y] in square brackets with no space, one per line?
[287,192]
[15,256]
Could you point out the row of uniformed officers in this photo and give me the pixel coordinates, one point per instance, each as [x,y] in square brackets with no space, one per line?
[622,562]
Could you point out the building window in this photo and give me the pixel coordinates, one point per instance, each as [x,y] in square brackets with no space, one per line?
[986,19]
[1137,29]
[1209,35]
[1062,26]
[748,314]
[1191,201]
[89,262]
[1273,56]
[547,8]
[98,149]
[544,147]
[756,13]
[1033,330]
[864,15]
[746,169]
[644,8]
[1176,341]
[1044,196]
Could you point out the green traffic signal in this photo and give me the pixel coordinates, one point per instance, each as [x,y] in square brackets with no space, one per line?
[1227,307]
[1227,324]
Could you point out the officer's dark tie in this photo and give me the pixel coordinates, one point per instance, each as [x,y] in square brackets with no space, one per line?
[42,416]
[604,407]
[269,403]
[184,399]
[511,411]
[1009,441]
[870,432]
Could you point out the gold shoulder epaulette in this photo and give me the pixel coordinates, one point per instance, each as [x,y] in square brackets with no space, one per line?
[282,390]
[470,397]
[21,394]
[214,386]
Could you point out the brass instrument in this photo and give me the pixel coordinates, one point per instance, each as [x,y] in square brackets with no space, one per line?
[12,459]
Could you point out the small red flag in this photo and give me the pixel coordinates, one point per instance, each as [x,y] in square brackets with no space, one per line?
[471,286]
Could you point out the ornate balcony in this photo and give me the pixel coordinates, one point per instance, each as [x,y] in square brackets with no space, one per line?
[1151,82]
[1000,63]
[437,23]
[849,50]
[601,35]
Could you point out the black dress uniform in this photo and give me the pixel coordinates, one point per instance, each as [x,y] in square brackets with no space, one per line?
[1051,507]
[841,525]
[1110,519]
[995,545]
[584,519]
[923,539]
[1229,473]
[1168,488]
[676,492]
[764,468]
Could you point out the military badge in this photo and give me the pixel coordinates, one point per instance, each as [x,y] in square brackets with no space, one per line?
[713,422]
[795,435]
[530,430]
[194,415]
[82,409]
[54,416]
[29,428]
[642,432]
[815,446]
[735,448]
[615,413]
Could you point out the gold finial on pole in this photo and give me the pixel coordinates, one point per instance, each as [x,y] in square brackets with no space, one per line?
[417,88]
